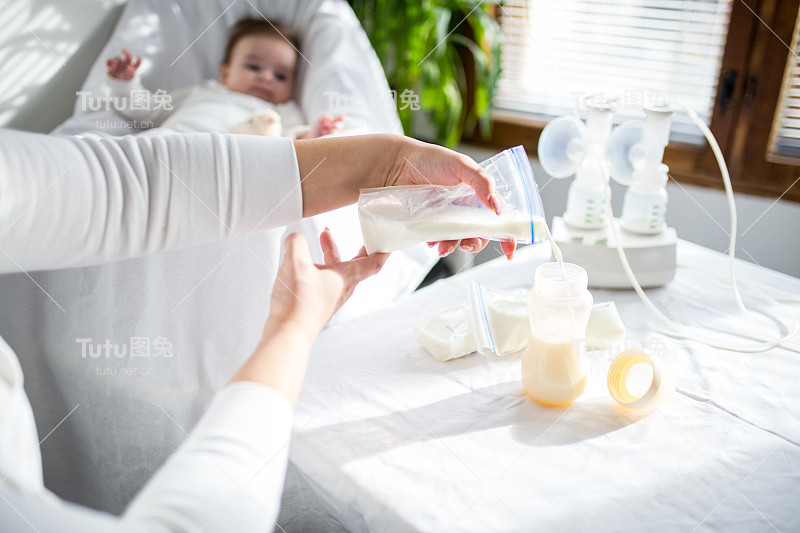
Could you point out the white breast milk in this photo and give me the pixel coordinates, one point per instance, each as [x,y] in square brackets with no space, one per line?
[392,227]
[553,369]
[605,328]
[553,372]
[499,320]
[449,335]
[446,335]
[508,319]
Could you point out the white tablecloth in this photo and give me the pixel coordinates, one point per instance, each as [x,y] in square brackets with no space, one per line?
[390,439]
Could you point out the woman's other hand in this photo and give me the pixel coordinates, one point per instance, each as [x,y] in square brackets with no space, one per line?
[306,295]
[304,298]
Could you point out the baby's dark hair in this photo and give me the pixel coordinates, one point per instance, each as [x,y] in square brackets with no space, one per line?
[255,26]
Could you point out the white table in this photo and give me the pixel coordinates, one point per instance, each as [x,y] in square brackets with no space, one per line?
[389,439]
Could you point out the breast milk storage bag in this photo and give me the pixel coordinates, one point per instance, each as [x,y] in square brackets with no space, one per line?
[393,218]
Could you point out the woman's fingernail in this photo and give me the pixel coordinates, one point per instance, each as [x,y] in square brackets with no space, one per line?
[467,248]
[445,253]
[431,244]
[495,203]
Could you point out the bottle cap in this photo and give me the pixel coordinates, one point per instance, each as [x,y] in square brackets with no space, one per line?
[622,368]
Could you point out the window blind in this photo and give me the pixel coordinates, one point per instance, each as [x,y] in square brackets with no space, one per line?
[785,136]
[556,52]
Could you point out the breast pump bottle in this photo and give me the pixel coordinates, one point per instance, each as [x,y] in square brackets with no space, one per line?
[553,366]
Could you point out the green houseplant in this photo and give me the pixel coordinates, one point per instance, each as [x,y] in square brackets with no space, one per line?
[447,52]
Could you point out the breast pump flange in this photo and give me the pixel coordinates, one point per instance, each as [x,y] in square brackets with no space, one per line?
[569,147]
[632,154]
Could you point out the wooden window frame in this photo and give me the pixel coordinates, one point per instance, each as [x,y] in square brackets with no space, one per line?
[756,52]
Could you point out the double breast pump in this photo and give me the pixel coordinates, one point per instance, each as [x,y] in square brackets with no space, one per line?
[631,155]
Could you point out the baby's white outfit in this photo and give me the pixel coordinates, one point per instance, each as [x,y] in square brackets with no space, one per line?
[208,107]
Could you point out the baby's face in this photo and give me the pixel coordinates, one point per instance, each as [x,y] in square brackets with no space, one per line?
[261,66]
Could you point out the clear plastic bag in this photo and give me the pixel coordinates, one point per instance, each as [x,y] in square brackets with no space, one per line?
[393,218]
[446,335]
[498,320]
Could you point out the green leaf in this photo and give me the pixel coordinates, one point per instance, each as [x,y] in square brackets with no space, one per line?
[418,41]
[438,43]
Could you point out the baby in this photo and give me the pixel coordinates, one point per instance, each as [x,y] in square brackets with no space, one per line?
[259,66]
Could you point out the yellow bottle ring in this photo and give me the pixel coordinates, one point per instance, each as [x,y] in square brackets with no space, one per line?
[662,385]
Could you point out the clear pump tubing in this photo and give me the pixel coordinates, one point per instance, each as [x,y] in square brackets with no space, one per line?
[757,288]
[779,342]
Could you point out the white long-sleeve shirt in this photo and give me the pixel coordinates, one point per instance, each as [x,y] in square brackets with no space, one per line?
[69,202]
[195,312]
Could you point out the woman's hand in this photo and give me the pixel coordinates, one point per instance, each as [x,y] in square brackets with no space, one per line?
[304,298]
[334,169]
[419,163]
[306,295]
[125,67]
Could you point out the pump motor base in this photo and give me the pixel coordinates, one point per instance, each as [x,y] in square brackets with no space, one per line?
[653,258]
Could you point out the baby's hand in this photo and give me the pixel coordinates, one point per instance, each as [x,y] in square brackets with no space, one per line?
[123,68]
[325,125]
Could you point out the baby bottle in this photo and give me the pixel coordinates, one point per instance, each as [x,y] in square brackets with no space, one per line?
[553,367]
